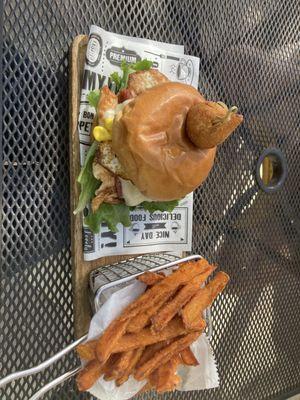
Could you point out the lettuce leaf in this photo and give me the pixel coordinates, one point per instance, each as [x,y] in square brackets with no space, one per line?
[94,97]
[126,69]
[142,65]
[116,78]
[152,206]
[89,184]
[112,214]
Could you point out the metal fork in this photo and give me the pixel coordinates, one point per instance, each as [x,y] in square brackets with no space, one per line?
[45,364]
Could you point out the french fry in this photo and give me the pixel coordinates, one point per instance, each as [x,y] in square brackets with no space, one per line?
[87,351]
[188,358]
[109,367]
[150,350]
[180,277]
[174,304]
[123,362]
[157,292]
[152,379]
[142,319]
[109,375]
[120,365]
[166,378]
[123,377]
[167,312]
[135,359]
[203,299]
[146,336]
[165,354]
[89,375]
[150,278]
[109,339]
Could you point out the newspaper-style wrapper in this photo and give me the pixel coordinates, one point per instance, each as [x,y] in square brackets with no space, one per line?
[203,376]
[160,231]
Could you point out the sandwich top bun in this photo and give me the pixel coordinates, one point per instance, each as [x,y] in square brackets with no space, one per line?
[150,140]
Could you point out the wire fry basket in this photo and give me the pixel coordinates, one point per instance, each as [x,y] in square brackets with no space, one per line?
[106,280]
[103,282]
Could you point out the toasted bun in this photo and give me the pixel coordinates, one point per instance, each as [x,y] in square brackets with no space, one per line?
[151,144]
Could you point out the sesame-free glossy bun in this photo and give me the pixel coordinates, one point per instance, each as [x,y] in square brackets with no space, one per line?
[151,143]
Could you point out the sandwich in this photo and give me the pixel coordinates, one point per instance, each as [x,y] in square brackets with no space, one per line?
[153,142]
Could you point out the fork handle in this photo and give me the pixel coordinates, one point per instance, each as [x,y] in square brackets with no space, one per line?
[43,365]
[54,383]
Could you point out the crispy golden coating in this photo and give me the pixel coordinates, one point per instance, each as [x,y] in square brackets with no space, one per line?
[86,351]
[107,192]
[108,100]
[150,350]
[180,277]
[140,81]
[109,366]
[150,353]
[150,278]
[89,375]
[112,341]
[188,358]
[120,365]
[209,124]
[167,312]
[203,299]
[167,379]
[106,157]
[166,354]
[142,319]
[146,336]
[109,339]
[126,372]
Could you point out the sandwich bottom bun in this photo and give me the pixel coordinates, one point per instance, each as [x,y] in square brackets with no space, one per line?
[150,140]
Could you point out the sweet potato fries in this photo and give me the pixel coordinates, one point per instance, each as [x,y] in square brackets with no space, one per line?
[152,335]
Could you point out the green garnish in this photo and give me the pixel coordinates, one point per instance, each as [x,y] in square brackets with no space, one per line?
[89,184]
[152,206]
[94,97]
[112,214]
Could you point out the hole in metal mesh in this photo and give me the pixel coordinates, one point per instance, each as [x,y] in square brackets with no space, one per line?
[271,170]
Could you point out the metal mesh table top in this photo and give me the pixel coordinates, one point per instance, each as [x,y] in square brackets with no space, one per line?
[249,56]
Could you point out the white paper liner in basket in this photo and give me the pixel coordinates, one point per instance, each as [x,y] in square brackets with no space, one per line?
[203,376]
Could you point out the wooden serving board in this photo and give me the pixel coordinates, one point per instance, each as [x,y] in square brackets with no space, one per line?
[81,269]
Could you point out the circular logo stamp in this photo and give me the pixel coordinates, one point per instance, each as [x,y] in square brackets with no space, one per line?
[94,50]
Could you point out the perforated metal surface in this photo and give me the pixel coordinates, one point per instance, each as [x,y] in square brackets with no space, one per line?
[249,56]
